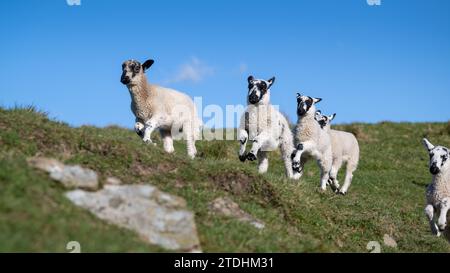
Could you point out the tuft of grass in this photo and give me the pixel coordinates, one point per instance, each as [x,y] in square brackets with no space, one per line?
[447,129]
[357,130]
[386,196]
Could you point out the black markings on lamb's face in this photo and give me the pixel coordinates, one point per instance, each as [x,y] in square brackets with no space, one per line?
[323,122]
[133,68]
[257,89]
[438,158]
[303,105]
[130,69]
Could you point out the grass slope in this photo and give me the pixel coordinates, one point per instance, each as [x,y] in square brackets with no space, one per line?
[387,196]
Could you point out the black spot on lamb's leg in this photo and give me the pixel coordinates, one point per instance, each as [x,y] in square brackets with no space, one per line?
[140,133]
[293,155]
[300,146]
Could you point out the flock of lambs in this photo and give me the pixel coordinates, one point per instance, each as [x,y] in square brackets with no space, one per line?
[267,129]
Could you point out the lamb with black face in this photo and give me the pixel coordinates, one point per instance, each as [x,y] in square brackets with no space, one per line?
[438,157]
[304,103]
[258,89]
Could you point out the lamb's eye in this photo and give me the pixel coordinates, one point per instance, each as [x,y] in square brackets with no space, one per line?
[137,68]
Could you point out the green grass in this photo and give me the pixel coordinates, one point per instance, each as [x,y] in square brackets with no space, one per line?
[387,195]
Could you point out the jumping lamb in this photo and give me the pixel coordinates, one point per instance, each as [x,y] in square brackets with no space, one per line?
[265,127]
[311,140]
[438,192]
[345,149]
[160,108]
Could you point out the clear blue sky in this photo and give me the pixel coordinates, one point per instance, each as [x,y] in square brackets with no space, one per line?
[368,63]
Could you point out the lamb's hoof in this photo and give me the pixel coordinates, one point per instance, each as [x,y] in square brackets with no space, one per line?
[149,142]
[243,157]
[342,192]
[251,156]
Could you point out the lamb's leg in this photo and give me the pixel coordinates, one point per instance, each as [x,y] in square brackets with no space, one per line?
[442,221]
[348,178]
[150,126]
[166,136]
[190,140]
[243,138]
[139,128]
[286,151]
[336,165]
[296,157]
[429,212]
[259,141]
[324,162]
[263,162]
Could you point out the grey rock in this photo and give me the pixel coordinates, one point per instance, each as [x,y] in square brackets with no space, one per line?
[158,217]
[71,176]
[113,181]
[227,207]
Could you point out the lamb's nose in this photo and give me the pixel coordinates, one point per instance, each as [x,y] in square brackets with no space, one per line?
[434,169]
[125,79]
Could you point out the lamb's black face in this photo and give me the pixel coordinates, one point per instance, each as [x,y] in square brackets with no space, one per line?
[257,89]
[131,69]
[304,103]
[439,156]
[323,120]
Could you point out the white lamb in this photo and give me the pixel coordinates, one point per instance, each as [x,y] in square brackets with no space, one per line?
[160,108]
[438,192]
[265,127]
[345,149]
[311,140]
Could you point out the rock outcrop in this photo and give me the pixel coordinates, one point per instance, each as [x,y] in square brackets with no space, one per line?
[227,207]
[158,217]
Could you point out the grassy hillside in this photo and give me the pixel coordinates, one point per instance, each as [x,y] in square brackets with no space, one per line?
[387,195]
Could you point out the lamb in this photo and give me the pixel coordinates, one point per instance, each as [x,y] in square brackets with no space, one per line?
[160,108]
[265,127]
[345,149]
[438,192]
[311,140]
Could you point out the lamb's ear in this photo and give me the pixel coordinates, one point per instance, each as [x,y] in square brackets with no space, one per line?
[299,97]
[146,65]
[271,81]
[250,79]
[316,100]
[427,144]
[332,117]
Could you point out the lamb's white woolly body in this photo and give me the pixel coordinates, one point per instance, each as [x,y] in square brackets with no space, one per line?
[164,109]
[345,149]
[268,130]
[439,189]
[438,192]
[311,141]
